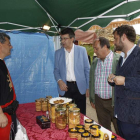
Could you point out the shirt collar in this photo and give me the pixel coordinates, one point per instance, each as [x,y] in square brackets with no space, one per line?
[129,52]
[71,49]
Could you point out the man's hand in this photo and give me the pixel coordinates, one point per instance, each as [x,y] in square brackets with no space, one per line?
[87,93]
[3,120]
[93,105]
[62,85]
[118,80]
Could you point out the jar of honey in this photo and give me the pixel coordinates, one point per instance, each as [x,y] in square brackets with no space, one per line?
[79,132]
[95,137]
[94,129]
[44,105]
[85,136]
[38,105]
[88,122]
[60,118]
[72,133]
[74,117]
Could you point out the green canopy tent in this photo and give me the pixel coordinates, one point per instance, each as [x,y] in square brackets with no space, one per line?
[31,15]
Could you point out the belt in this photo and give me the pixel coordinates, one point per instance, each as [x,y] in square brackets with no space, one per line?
[72,82]
[106,99]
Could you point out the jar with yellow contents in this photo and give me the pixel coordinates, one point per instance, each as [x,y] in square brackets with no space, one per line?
[69,106]
[95,137]
[79,132]
[94,129]
[52,112]
[74,117]
[88,122]
[85,136]
[44,105]
[38,104]
[60,118]
[72,133]
[79,126]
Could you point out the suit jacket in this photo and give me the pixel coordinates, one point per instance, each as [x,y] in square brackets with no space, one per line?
[92,77]
[127,98]
[81,68]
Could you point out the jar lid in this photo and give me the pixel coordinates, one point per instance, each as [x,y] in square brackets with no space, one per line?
[85,135]
[60,109]
[81,130]
[94,126]
[79,126]
[72,130]
[113,137]
[74,109]
[71,105]
[96,136]
[37,100]
[89,121]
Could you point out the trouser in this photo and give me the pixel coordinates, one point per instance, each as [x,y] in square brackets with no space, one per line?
[105,113]
[8,132]
[78,98]
[129,131]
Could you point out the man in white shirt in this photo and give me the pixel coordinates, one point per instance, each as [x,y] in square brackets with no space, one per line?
[72,70]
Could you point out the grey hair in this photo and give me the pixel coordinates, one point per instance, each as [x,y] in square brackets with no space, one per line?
[2,37]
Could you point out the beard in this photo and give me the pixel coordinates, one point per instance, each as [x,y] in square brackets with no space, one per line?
[119,46]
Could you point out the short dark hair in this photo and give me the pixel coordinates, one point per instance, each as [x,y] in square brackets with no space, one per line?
[103,42]
[68,31]
[129,31]
[2,37]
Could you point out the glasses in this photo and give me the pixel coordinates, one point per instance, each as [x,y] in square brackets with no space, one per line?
[61,39]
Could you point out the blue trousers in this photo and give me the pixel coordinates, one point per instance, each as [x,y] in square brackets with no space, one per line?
[129,131]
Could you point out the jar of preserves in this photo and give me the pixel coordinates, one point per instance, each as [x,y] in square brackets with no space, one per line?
[68,106]
[60,118]
[74,117]
[95,137]
[44,105]
[94,129]
[88,122]
[79,126]
[38,105]
[72,133]
[52,112]
[48,103]
[85,136]
[79,132]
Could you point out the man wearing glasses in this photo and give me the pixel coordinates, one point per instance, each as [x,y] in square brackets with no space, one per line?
[72,70]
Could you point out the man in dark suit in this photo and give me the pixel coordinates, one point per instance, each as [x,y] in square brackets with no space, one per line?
[71,70]
[127,83]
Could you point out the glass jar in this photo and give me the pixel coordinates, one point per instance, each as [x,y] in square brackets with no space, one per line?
[79,132]
[38,105]
[74,117]
[68,106]
[60,118]
[113,137]
[79,126]
[72,133]
[105,137]
[88,122]
[48,103]
[95,137]
[52,112]
[44,105]
[94,129]
[85,136]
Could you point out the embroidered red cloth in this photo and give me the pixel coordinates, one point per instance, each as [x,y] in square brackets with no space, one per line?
[26,114]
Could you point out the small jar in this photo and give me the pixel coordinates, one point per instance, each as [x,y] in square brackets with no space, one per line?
[60,118]
[94,129]
[79,132]
[113,137]
[72,133]
[88,122]
[85,136]
[44,105]
[48,103]
[95,137]
[68,106]
[105,137]
[38,105]
[79,126]
[52,112]
[74,117]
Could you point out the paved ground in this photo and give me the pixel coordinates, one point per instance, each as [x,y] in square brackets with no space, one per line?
[91,113]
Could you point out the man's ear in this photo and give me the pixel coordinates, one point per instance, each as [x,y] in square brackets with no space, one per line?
[124,37]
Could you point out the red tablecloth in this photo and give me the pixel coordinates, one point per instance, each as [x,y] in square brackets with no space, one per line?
[26,114]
